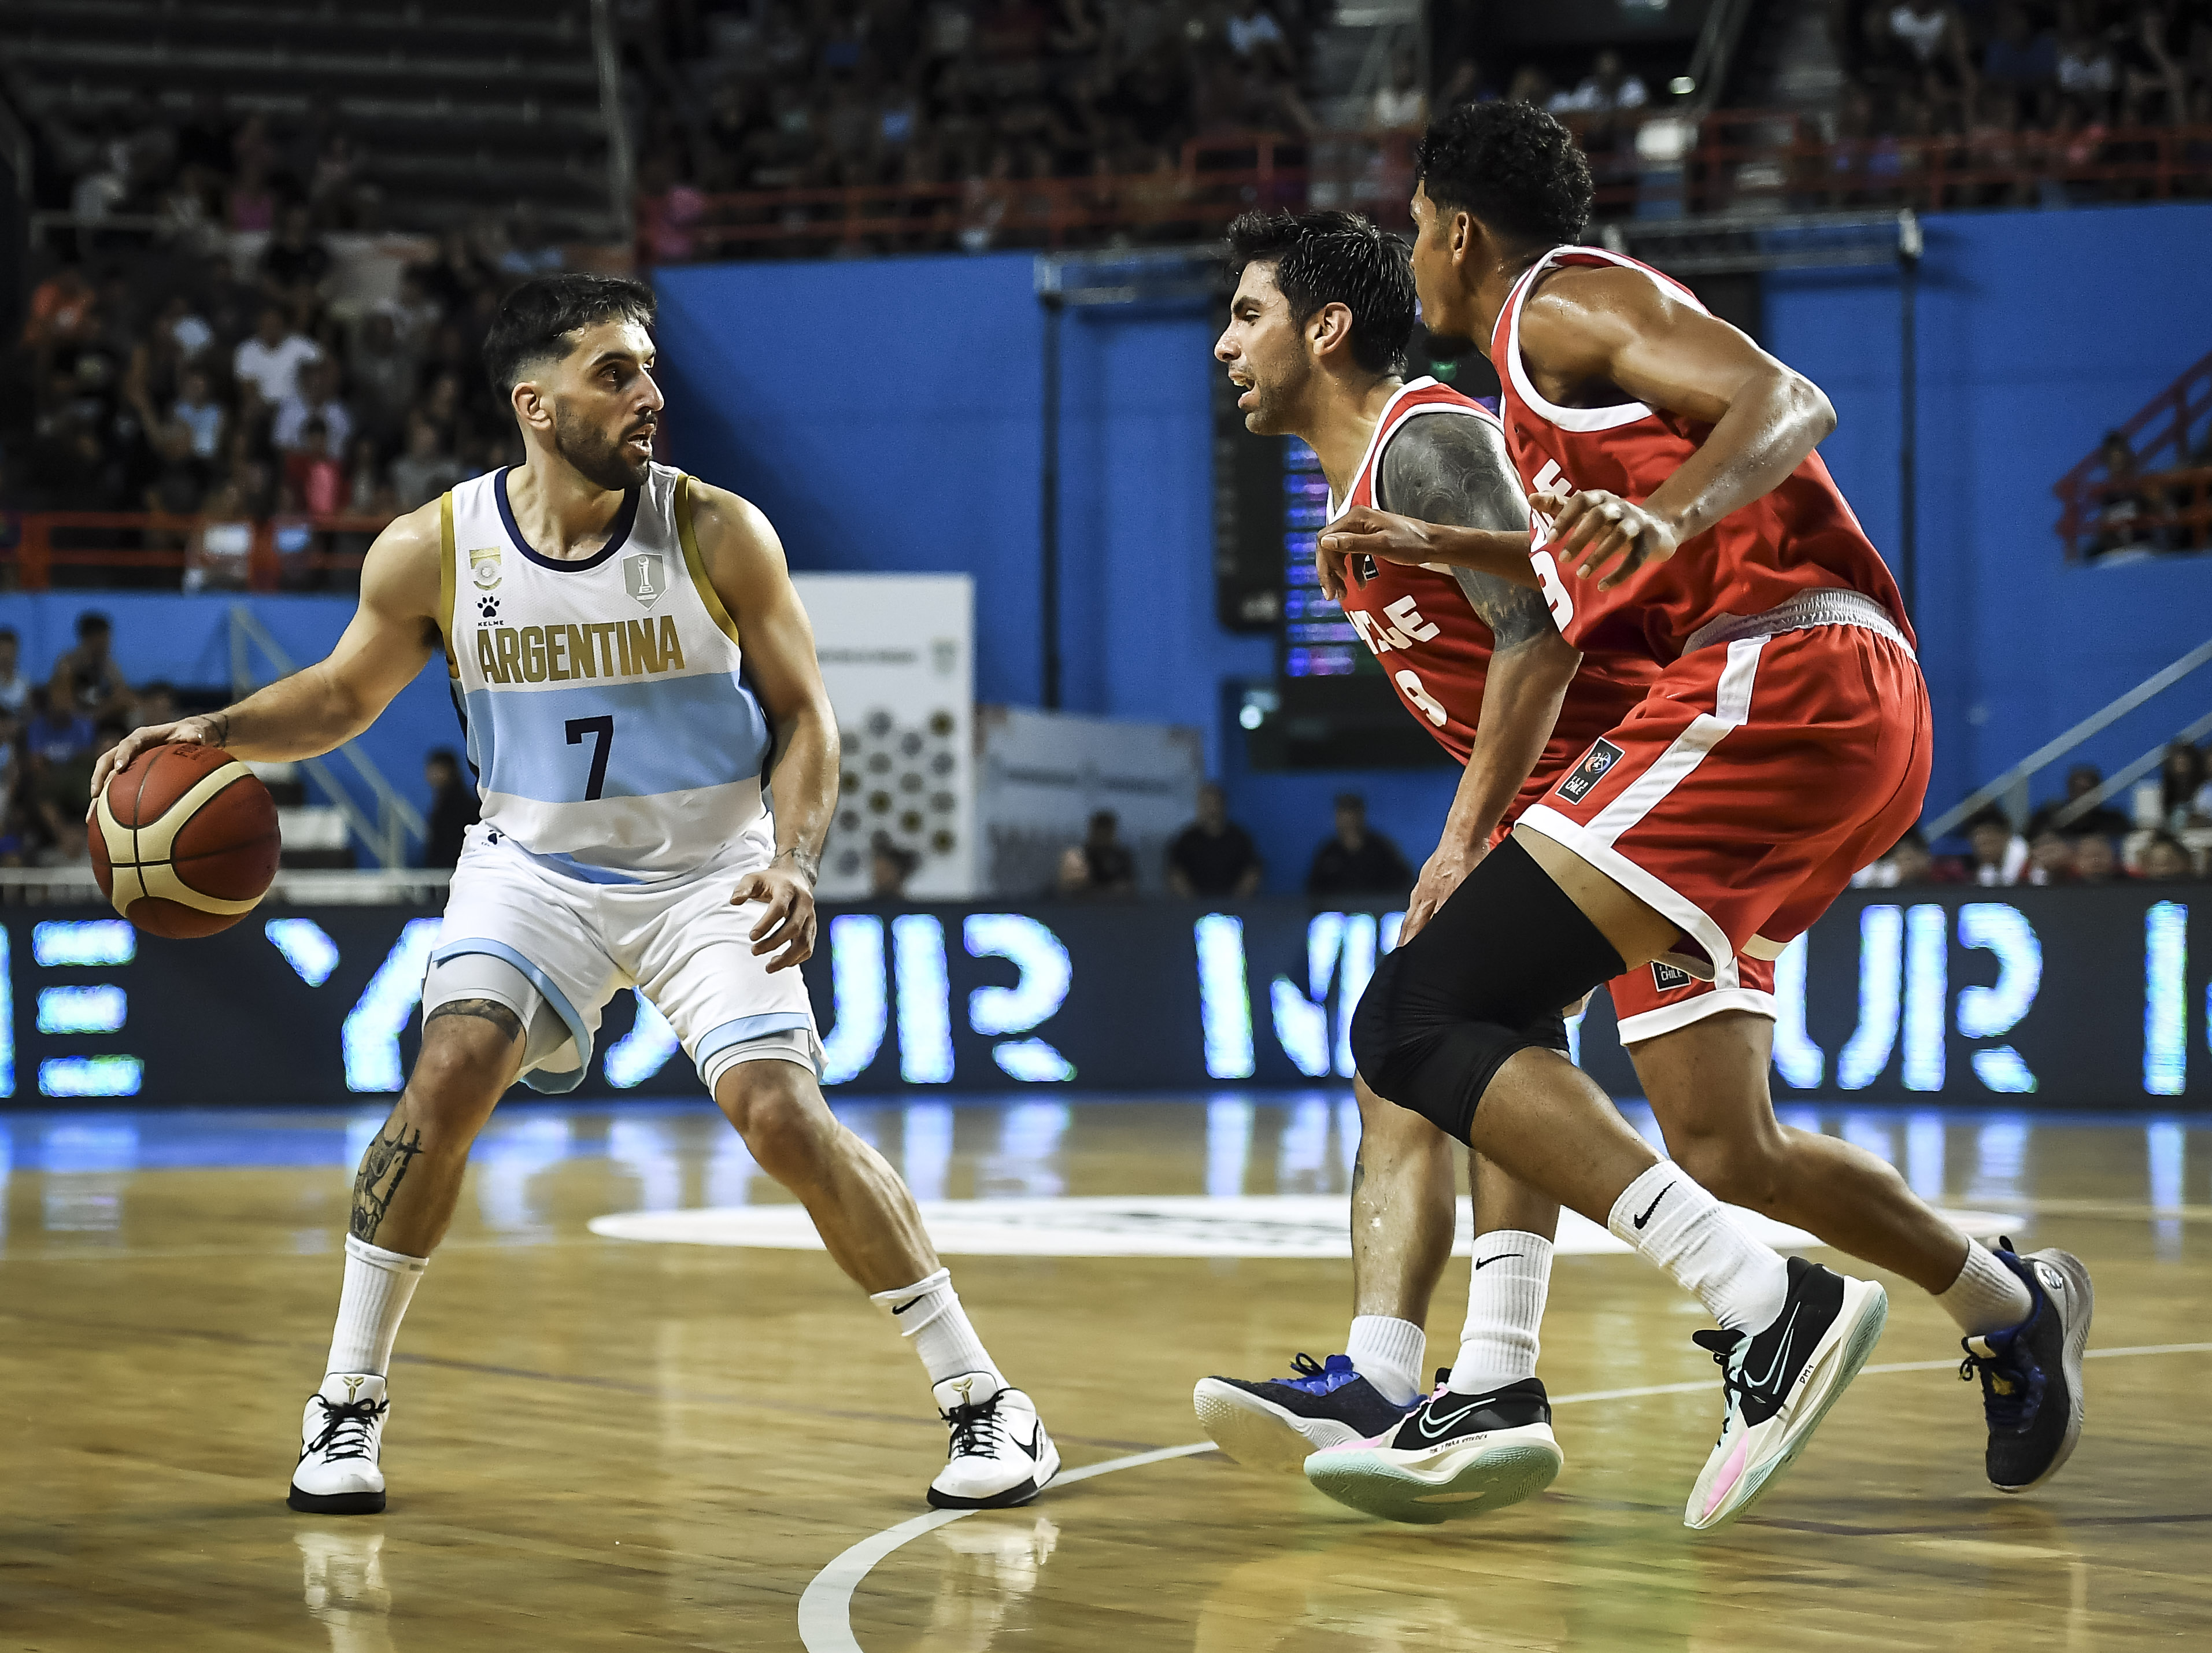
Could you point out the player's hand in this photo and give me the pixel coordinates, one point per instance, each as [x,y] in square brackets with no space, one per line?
[186,731]
[1441,874]
[787,927]
[1602,534]
[1365,532]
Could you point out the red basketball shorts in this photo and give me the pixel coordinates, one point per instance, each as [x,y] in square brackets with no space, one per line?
[1756,776]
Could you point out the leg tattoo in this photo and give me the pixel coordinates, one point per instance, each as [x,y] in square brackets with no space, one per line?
[381,1168]
[487,1010]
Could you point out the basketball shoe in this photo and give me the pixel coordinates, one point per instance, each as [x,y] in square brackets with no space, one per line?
[1453,1455]
[2032,1374]
[1278,1423]
[999,1455]
[340,1436]
[1779,1383]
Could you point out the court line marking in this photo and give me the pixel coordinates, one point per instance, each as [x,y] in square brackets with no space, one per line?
[825,1608]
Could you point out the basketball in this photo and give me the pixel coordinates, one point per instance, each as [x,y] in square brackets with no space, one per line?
[183,841]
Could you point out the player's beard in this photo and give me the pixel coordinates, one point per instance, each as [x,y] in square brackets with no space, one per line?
[1272,401]
[597,454]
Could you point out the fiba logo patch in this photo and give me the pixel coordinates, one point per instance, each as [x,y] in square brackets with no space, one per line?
[1593,768]
[643,579]
[1667,979]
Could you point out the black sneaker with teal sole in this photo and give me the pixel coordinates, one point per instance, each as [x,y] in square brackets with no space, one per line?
[1454,1456]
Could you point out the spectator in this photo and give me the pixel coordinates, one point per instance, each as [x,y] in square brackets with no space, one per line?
[2166,861]
[64,310]
[452,811]
[222,547]
[2051,857]
[1256,37]
[1402,105]
[14,687]
[295,263]
[65,786]
[270,362]
[530,252]
[196,409]
[315,398]
[1609,89]
[1108,867]
[315,474]
[890,867]
[1214,856]
[178,480]
[415,314]
[86,679]
[1355,860]
[425,470]
[2094,861]
[2181,785]
[56,733]
[157,704]
[1999,854]
[2020,58]
[2126,512]
[384,371]
[2080,781]
[1909,862]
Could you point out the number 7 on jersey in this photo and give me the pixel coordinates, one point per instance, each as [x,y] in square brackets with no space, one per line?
[602,730]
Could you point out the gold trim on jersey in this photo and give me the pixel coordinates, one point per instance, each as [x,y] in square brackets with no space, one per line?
[446,556]
[696,565]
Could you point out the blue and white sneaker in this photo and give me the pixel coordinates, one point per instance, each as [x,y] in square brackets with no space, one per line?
[1276,1424]
[2032,1373]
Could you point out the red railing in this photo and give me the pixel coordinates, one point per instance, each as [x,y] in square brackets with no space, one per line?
[2187,488]
[264,555]
[1734,161]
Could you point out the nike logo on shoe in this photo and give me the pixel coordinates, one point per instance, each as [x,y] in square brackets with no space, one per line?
[1481,1263]
[1780,1354]
[1444,1425]
[1653,1206]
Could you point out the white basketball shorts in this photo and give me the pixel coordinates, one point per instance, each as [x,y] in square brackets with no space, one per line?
[680,943]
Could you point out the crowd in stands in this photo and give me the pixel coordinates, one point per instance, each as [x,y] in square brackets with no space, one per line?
[211,369]
[1215,859]
[2139,516]
[2165,841]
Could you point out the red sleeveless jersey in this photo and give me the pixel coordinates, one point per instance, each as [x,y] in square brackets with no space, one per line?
[1436,649]
[1802,537]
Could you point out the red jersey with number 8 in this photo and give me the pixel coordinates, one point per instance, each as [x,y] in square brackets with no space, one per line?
[1800,538]
[1435,649]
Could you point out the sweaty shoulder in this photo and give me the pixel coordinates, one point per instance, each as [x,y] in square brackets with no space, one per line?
[401,573]
[1580,314]
[730,529]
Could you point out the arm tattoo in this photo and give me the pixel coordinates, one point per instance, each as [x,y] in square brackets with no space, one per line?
[382,1169]
[1452,469]
[488,1010]
[808,862]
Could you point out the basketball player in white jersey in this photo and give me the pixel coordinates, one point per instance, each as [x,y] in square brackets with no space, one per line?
[595,611]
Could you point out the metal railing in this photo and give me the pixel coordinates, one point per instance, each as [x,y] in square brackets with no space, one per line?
[34,543]
[385,836]
[1673,164]
[2010,789]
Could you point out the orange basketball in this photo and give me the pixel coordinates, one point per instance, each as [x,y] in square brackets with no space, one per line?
[183,841]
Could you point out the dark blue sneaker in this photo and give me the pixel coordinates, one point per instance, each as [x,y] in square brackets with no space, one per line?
[1276,1424]
[2032,1373]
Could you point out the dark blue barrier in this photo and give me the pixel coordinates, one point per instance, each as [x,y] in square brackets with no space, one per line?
[2075,998]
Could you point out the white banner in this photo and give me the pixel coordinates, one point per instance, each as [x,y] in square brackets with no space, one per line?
[898,655]
[1043,774]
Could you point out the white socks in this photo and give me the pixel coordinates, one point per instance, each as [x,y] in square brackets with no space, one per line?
[378,1284]
[929,1313]
[1987,1296]
[1504,1308]
[1683,1229]
[1388,1353]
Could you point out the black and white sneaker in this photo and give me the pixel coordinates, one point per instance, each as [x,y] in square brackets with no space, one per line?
[1276,1423]
[1780,1382]
[2032,1373]
[1453,1455]
[341,1435]
[1000,1455]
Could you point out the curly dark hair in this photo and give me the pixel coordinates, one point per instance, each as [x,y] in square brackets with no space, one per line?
[1513,166]
[1336,258]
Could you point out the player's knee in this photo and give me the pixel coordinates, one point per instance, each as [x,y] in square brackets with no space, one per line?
[778,1112]
[469,1054]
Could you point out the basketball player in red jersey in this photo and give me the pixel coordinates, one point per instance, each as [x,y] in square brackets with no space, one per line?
[1682,512]
[1296,343]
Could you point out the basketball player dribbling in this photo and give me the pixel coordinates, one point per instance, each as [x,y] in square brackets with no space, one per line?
[1317,336]
[633,669]
[1681,513]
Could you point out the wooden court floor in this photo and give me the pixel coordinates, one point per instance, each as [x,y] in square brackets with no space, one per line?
[605,1443]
